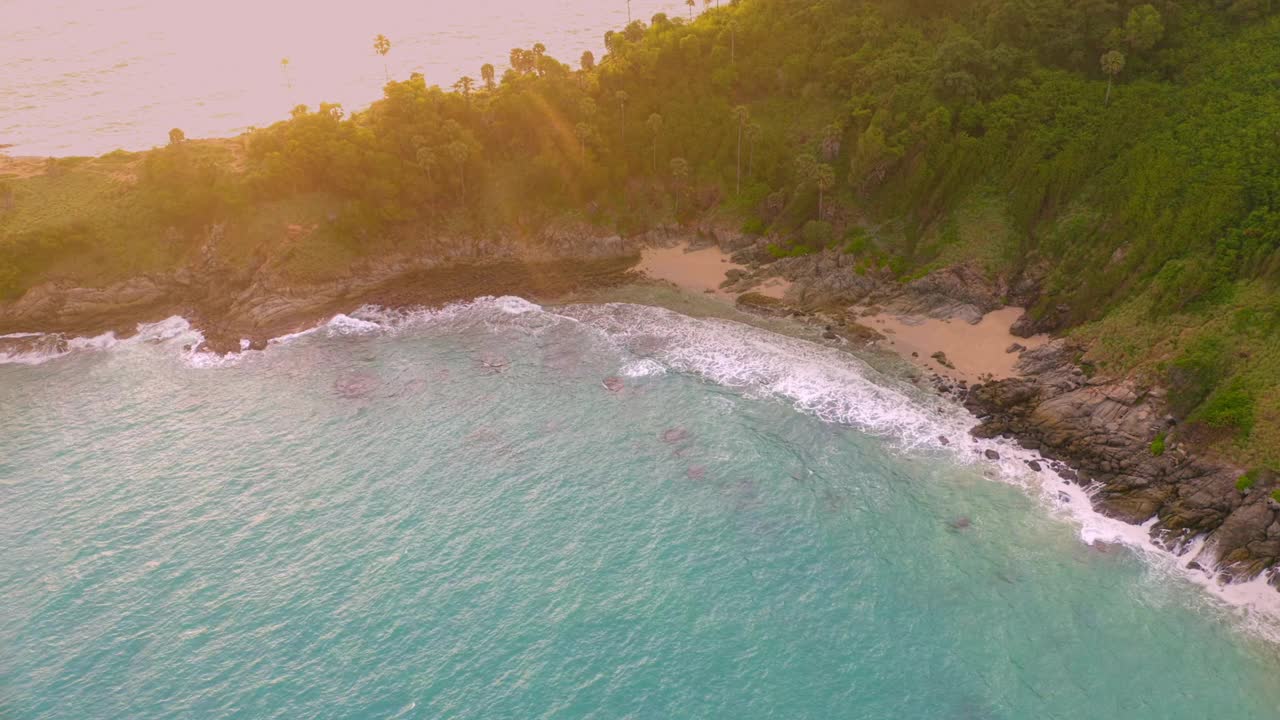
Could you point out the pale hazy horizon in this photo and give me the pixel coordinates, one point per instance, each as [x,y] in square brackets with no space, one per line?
[85,79]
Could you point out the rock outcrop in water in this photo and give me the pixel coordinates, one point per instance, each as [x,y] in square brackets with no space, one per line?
[1104,428]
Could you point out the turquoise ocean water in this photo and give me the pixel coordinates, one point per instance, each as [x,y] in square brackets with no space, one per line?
[450,515]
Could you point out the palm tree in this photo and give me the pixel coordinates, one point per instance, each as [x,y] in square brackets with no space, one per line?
[831,141]
[284,70]
[538,51]
[521,60]
[582,131]
[628,12]
[825,178]
[654,123]
[426,158]
[486,74]
[622,98]
[1112,64]
[691,4]
[805,165]
[679,171]
[463,86]
[733,38]
[753,134]
[588,61]
[740,115]
[382,46]
[706,5]
[458,152]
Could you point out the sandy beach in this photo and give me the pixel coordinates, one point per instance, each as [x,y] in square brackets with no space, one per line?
[975,351]
[700,270]
[972,351]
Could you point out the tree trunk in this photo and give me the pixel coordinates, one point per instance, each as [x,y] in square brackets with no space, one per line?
[738,189]
[655,156]
[1107,101]
[751,158]
[819,203]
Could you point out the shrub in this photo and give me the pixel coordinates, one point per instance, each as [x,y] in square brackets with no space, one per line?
[816,233]
[753,226]
[1247,480]
[800,250]
[856,240]
[1157,445]
[1230,406]
[1275,495]
[1195,373]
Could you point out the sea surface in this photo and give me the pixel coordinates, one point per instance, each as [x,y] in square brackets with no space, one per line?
[499,510]
[82,78]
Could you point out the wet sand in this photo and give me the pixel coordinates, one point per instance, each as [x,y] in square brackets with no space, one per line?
[974,350]
[700,271]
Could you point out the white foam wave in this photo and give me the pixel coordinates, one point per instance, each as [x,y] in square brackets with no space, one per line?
[825,382]
[642,368]
[105,341]
[34,348]
[346,325]
[43,347]
[31,348]
[515,305]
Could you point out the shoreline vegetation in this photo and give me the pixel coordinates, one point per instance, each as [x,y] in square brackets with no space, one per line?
[1110,167]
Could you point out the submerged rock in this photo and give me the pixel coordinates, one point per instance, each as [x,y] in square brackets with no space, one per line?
[612,383]
[355,386]
[991,454]
[674,435]
[494,362]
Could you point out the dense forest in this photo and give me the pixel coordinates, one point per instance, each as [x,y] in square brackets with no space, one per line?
[1127,152]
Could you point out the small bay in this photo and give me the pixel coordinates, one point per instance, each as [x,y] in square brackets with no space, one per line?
[452,514]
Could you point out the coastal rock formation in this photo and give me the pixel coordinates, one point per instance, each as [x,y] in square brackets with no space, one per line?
[1104,429]
[261,301]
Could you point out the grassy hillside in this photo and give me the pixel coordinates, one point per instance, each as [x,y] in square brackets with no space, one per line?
[1125,154]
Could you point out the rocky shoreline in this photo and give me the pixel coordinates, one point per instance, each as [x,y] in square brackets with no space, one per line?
[231,303]
[1098,431]
[1111,435]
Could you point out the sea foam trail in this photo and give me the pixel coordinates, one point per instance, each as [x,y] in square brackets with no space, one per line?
[840,388]
[178,334]
[828,383]
[39,348]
